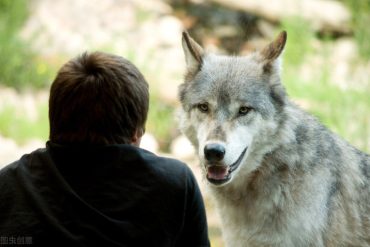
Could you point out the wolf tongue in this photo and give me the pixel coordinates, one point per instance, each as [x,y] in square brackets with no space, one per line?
[217,172]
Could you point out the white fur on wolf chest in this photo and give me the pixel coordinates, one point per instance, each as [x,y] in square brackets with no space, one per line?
[274,217]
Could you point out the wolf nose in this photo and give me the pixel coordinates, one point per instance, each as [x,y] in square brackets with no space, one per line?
[214,152]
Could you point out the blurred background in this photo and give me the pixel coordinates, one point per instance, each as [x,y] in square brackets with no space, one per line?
[326,65]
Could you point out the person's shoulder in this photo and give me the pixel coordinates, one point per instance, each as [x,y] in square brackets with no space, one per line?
[168,166]
[8,172]
[9,168]
[163,161]
[23,160]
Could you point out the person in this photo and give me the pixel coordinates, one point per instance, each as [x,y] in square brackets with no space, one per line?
[92,185]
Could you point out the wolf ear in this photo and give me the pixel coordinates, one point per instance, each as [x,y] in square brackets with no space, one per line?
[273,50]
[193,52]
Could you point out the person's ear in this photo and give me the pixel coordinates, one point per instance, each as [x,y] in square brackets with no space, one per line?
[136,139]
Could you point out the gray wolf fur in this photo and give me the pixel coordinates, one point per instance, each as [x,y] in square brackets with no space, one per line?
[278,176]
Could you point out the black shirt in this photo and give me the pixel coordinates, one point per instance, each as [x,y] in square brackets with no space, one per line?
[115,195]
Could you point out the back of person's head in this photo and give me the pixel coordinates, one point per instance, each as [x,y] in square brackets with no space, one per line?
[97,98]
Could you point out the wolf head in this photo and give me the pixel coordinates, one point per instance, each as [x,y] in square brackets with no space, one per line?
[230,106]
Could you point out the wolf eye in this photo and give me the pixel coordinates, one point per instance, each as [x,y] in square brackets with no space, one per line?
[243,110]
[203,107]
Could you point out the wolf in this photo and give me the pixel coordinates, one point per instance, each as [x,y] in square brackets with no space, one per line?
[277,175]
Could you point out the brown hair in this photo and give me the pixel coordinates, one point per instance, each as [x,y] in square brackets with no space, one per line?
[97,98]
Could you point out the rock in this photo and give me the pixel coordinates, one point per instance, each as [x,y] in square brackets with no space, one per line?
[8,96]
[167,63]
[8,151]
[149,143]
[144,32]
[32,145]
[340,62]
[267,29]
[181,148]
[323,15]
[25,104]
[347,71]
[71,27]
[156,6]
[343,52]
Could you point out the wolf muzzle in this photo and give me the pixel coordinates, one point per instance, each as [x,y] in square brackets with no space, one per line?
[214,152]
[217,171]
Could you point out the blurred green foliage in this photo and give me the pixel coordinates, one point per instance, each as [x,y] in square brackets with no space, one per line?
[344,111]
[19,66]
[15,124]
[161,121]
[300,36]
[360,24]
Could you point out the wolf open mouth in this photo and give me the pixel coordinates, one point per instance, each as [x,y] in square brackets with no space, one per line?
[217,174]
